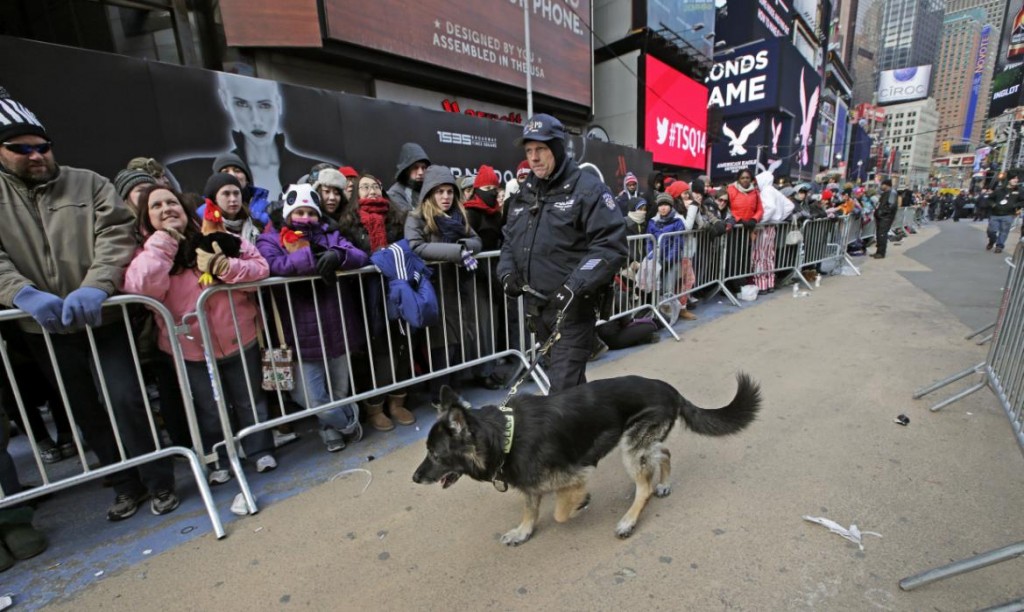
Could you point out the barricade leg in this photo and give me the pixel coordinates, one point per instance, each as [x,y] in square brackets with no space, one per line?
[977,369]
[962,567]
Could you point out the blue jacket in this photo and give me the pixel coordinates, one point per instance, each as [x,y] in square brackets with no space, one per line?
[671,246]
[411,296]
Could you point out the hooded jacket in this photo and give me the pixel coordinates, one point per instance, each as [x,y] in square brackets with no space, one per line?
[70,232]
[564,230]
[400,193]
[625,200]
[320,312]
[256,198]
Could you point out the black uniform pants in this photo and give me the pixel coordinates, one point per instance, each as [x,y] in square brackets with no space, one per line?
[567,360]
[882,227]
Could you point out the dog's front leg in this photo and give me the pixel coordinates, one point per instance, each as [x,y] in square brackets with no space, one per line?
[570,502]
[522,533]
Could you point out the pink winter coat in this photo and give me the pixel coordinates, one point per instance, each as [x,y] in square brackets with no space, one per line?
[149,274]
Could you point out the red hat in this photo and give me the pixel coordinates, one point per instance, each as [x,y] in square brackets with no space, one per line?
[677,188]
[485,177]
[668,181]
[348,172]
[826,195]
[523,169]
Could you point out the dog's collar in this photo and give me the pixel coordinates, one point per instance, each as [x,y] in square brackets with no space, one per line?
[506,447]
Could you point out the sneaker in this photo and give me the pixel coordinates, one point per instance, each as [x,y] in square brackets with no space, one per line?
[163,502]
[333,439]
[50,455]
[218,477]
[686,315]
[266,463]
[999,249]
[125,506]
[281,438]
[354,432]
[988,247]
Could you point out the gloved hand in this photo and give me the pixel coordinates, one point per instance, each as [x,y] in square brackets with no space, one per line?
[512,285]
[207,261]
[173,233]
[750,224]
[83,306]
[563,298]
[468,261]
[327,265]
[45,308]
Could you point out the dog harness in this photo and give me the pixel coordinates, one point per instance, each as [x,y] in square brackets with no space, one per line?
[506,446]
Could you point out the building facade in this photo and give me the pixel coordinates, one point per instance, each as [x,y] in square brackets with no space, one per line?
[911,128]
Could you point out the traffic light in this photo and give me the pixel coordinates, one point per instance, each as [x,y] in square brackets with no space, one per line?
[945,146]
[990,135]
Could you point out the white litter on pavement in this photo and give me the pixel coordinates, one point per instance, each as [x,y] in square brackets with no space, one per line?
[355,471]
[239,506]
[6,602]
[148,551]
[852,534]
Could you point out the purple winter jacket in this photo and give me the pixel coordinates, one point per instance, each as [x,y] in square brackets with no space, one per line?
[303,263]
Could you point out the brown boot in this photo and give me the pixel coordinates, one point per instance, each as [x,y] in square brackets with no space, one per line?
[686,315]
[398,411]
[375,415]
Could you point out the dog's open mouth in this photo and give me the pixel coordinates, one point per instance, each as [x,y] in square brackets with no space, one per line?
[449,479]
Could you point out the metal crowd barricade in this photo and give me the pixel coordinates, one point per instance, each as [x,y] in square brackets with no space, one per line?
[476,325]
[825,243]
[1002,372]
[58,477]
[637,286]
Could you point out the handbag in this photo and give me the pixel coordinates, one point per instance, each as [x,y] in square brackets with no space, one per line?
[278,363]
[794,236]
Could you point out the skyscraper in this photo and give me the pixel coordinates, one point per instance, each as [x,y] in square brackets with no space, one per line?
[910,34]
[963,72]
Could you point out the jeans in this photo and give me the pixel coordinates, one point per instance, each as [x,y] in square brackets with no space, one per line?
[311,382]
[999,229]
[85,396]
[246,402]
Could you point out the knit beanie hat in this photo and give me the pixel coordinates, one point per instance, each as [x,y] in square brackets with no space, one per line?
[630,178]
[523,169]
[663,198]
[697,186]
[349,172]
[218,181]
[148,165]
[826,195]
[16,120]
[230,159]
[126,180]
[640,203]
[329,177]
[486,177]
[677,189]
[299,196]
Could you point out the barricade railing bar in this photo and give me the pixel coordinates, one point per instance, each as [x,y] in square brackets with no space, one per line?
[636,288]
[1002,372]
[122,431]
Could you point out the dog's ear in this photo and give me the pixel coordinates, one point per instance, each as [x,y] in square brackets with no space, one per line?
[456,418]
[449,399]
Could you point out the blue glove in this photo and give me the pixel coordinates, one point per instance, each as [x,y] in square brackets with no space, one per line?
[468,261]
[83,306]
[44,307]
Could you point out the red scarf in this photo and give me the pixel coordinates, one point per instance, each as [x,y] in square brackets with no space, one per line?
[373,213]
[478,204]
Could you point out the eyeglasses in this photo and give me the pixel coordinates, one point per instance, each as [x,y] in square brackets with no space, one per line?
[28,149]
[370,187]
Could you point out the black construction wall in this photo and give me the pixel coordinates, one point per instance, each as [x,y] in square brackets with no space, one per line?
[102,109]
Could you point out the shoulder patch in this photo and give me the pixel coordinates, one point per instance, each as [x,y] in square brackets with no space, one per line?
[609,201]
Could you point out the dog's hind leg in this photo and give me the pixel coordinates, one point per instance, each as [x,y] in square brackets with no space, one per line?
[570,501]
[664,461]
[643,474]
[522,533]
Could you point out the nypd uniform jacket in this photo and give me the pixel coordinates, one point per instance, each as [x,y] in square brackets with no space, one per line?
[1005,201]
[567,230]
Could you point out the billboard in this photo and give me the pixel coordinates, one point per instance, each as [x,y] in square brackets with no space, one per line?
[980,59]
[904,84]
[484,39]
[675,116]
[1009,71]
[185,117]
[742,21]
[745,80]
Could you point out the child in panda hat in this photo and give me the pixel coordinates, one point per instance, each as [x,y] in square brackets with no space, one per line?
[320,309]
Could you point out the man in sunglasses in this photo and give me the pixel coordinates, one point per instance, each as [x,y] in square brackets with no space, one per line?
[65,242]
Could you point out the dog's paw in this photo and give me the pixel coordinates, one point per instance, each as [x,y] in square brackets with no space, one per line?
[662,490]
[516,537]
[625,529]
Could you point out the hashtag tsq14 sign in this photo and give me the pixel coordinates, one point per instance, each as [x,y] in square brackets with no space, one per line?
[675,116]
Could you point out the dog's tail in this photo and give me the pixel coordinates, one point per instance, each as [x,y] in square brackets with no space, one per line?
[730,419]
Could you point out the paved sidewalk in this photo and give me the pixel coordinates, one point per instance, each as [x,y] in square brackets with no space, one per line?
[835,367]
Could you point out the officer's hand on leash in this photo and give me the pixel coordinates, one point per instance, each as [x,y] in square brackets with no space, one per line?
[563,298]
[512,285]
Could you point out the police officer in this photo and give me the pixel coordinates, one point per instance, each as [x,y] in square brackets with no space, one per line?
[564,241]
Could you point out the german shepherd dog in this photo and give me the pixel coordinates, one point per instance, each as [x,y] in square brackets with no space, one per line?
[542,444]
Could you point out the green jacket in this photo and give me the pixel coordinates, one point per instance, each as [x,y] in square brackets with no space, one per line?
[68,233]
